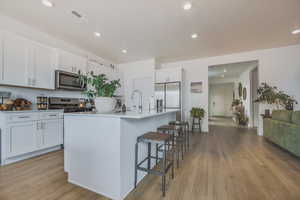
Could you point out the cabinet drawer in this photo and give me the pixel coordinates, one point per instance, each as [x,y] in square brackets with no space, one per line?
[22,117]
[51,115]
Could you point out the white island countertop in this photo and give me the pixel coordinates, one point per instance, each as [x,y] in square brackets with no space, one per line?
[126,115]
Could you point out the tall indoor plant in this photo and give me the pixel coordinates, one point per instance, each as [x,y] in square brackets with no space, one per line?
[101,90]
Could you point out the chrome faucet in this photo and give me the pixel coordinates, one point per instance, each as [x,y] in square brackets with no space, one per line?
[140,107]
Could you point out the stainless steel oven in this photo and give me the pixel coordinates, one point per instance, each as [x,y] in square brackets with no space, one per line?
[68,81]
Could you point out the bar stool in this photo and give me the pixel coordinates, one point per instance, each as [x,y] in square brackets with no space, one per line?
[177,145]
[185,130]
[166,164]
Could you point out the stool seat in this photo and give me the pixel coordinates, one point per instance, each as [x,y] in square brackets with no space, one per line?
[167,128]
[154,137]
[178,123]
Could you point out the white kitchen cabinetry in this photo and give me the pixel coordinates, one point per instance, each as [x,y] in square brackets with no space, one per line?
[26,63]
[70,62]
[15,60]
[1,57]
[51,133]
[43,66]
[96,68]
[21,138]
[168,75]
[24,135]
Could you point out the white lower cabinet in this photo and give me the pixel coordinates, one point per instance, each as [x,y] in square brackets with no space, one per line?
[29,134]
[21,138]
[51,133]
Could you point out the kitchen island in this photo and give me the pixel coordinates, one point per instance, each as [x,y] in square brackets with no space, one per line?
[99,149]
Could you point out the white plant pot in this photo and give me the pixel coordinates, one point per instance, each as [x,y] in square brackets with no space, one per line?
[104,104]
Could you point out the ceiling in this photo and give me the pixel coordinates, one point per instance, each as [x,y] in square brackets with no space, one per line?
[233,70]
[162,29]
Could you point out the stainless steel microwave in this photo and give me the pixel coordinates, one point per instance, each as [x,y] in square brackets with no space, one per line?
[68,81]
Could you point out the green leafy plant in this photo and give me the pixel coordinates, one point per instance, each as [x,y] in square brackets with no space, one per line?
[198,113]
[271,95]
[98,85]
[236,102]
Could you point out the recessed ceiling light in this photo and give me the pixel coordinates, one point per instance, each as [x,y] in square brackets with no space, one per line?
[297,31]
[47,3]
[194,35]
[187,6]
[97,34]
[225,70]
[124,51]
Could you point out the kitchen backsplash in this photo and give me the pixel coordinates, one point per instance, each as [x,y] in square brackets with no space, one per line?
[31,94]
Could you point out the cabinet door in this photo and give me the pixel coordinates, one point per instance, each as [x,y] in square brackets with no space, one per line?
[161,76]
[44,62]
[22,138]
[52,133]
[94,67]
[15,60]
[1,57]
[80,64]
[65,61]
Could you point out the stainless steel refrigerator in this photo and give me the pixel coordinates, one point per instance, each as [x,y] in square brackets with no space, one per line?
[170,93]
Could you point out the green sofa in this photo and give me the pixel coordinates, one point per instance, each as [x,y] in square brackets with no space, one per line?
[283,129]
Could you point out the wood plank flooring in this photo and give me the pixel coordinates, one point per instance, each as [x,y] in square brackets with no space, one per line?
[226,164]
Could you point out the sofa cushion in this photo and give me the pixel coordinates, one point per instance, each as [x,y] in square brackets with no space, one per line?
[296,117]
[282,115]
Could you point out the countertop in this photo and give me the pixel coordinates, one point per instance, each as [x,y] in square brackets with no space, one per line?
[127,115]
[30,111]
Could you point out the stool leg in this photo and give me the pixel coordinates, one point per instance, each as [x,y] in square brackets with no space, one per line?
[188,135]
[156,154]
[149,156]
[172,160]
[136,163]
[164,171]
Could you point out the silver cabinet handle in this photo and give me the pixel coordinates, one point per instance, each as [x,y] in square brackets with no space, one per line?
[38,126]
[23,117]
[53,115]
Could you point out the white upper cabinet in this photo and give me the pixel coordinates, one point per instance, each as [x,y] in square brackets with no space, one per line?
[44,62]
[1,57]
[70,62]
[26,63]
[94,67]
[168,75]
[15,60]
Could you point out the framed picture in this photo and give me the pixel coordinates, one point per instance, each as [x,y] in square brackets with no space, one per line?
[197,87]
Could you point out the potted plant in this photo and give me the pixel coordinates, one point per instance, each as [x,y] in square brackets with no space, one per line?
[101,90]
[271,95]
[198,113]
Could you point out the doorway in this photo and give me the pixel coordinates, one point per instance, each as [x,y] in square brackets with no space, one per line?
[232,91]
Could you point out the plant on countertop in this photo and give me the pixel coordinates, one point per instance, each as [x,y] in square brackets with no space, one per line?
[198,113]
[98,85]
[271,95]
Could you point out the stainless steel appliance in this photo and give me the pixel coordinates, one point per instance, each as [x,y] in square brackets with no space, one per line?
[170,93]
[68,81]
[70,104]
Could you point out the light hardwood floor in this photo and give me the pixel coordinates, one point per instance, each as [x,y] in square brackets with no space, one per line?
[226,164]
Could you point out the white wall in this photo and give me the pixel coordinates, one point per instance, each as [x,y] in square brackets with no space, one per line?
[220,99]
[138,75]
[279,67]
[11,25]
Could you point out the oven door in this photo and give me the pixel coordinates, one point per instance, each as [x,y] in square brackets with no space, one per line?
[68,81]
